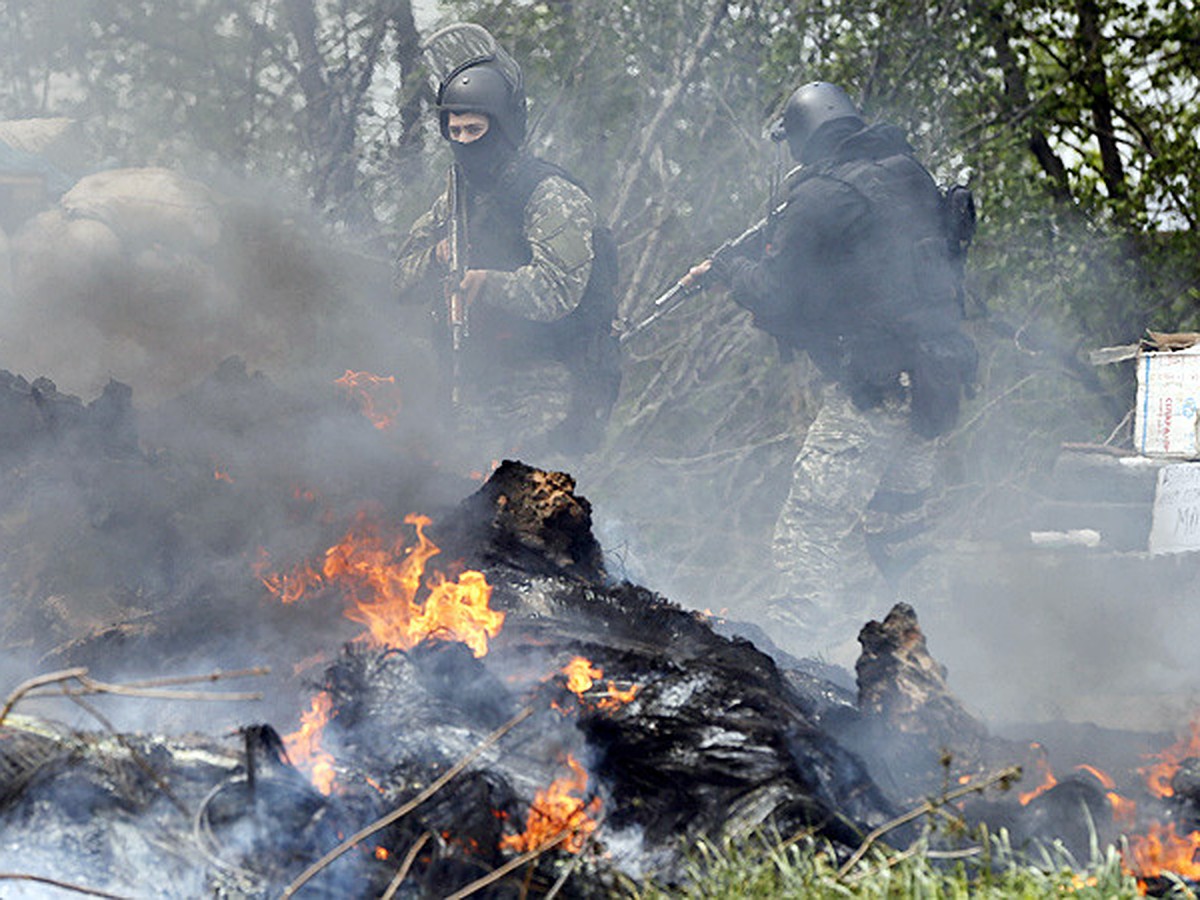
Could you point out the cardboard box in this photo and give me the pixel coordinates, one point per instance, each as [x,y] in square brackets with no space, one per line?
[1166,418]
[1175,527]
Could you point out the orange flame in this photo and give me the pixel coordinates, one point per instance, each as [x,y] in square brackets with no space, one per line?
[616,698]
[1162,850]
[377,396]
[557,810]
[1048,779]
[287,586]
[582,675]
[381,578]
[1159,774]
[304,745]
[1124,810]
[222,476]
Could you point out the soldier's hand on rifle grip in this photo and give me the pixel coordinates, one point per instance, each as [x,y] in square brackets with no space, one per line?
[472,283]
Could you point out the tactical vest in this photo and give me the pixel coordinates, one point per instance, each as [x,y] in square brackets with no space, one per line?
[907,241]
[583,339]
[910,291]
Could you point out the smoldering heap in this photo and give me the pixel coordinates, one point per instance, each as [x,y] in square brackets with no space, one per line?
[597,729]
[676,731]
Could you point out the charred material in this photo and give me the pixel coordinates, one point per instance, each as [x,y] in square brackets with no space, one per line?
[120,812]
[912,730]
[1185,783]
[707,738]
[918,739]
[679,731]
[534,520]
[685,732]
[899,681]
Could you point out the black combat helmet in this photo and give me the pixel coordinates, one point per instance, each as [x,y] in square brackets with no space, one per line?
[808,109]
[482,87]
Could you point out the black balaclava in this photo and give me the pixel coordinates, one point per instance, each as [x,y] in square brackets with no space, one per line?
[483,160]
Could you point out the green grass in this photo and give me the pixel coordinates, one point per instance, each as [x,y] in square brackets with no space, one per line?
[756,867]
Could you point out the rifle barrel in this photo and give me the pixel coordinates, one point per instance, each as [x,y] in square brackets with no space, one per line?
[668,300]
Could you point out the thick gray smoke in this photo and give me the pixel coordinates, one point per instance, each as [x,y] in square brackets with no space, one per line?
[156,280]
[180,397]
[152,278]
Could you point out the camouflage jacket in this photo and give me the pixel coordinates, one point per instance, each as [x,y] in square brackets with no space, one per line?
[555,242]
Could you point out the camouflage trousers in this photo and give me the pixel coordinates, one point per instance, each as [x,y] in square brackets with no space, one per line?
[855,509]
[513,414]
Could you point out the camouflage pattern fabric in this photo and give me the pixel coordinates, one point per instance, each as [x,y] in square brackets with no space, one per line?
[829,579]
[417,269]
[558,226]
[509,411]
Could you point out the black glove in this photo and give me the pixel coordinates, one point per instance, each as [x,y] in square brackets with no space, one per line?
[722,264]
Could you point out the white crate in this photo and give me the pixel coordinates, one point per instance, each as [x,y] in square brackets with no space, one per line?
[1167,414]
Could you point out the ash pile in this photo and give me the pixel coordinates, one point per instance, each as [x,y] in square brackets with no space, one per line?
[450,696]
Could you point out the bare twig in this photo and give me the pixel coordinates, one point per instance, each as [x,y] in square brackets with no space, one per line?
[929,806]
[888,863]
[41,680]
[893,861]
[64,885]
[150,689]
[402,872]
[141,762]
[218,675]
[88,688]
[562,879]
[1102,449]
[1120,427]
[649,134]
[399,813]
[514,863]
[999,398]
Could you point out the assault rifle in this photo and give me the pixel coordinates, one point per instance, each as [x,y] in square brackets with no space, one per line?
[675,295]
[456,307]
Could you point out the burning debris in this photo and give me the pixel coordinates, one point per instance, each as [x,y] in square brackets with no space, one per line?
[464,696]
[468,635]
[929,735]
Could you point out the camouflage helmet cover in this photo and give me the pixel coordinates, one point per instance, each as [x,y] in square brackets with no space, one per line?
[472,73]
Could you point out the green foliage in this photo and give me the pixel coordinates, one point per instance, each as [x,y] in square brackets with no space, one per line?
[288,90]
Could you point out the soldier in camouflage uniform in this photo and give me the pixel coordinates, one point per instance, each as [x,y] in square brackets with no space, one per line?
[539,281]
[861,272]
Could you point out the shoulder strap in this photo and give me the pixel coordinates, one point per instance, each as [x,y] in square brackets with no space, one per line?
[524,177]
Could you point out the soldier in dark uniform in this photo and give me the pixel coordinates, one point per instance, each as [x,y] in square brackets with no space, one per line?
[861,273]
[537,371]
